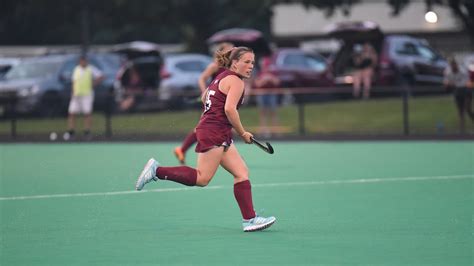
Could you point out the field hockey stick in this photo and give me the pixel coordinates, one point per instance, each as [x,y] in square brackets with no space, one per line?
[267,148]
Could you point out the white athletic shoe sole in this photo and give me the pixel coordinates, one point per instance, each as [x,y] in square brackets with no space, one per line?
[259,227]
[146,175]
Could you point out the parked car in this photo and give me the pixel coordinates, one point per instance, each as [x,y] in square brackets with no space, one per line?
[251,38]
[6,63]
[295,68]
[180,74]
[399,56]
[42,84]
[169,82]
[146,60]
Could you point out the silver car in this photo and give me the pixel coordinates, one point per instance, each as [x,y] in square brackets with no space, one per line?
[42,85]
[179,86]
[6,63]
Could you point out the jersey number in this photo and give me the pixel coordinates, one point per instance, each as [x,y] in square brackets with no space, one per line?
[208,103]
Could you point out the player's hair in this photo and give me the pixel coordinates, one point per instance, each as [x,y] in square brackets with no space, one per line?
[225,58]
[222,47]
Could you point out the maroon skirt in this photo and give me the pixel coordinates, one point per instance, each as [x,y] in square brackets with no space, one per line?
[208,138]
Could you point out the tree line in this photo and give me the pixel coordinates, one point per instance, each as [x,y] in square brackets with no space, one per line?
[33,22]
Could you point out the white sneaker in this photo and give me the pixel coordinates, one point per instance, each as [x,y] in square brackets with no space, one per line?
[148,174]
[257,223]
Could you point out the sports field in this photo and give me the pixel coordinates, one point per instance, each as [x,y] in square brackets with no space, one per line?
[336,203]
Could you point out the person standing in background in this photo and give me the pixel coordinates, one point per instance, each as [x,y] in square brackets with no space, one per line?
[84,78]
[267,102]
[457,79]
[365,62]
[134,90]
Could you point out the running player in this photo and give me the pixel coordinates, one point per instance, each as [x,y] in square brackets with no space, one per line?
[210,73]
[214,136]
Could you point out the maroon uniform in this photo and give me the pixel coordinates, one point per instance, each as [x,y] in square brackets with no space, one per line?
[214,129]
[219,71]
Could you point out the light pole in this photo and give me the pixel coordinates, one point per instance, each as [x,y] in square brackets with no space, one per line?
[431,17]
[84,26]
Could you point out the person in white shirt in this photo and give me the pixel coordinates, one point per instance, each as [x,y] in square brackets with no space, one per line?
[84,78]
[456,78]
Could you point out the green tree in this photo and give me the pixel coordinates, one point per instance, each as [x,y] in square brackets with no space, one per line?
[32,22]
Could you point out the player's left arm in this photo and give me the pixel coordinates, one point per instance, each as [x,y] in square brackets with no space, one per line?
[235,90]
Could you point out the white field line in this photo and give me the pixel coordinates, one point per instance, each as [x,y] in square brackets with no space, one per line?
[288,184]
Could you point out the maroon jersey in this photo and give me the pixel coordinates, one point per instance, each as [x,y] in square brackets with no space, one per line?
[219,71]
[214,129]
[214,115]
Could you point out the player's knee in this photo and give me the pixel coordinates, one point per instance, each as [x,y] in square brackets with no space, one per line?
[202,182]
[246,172]
[242,176]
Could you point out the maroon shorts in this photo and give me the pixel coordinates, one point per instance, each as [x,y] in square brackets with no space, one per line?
[208,138]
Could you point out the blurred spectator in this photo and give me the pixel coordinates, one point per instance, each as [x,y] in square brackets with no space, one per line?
[267,102]
[365,60]
[457,79]
[469,62]
[84,78]
[133,90]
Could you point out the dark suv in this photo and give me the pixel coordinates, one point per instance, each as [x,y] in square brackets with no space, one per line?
[294,68]
[42,85]
[146,59]
[399,56]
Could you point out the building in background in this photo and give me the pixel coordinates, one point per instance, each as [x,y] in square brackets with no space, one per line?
[295,25]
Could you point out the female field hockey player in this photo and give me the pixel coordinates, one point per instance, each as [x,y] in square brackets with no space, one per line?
[214,137]
[211,72]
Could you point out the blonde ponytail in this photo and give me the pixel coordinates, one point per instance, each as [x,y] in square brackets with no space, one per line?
[225,58]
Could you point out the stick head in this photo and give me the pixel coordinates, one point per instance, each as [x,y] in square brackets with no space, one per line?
[267,147]
[270,148]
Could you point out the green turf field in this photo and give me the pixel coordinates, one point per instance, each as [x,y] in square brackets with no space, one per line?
[336,203]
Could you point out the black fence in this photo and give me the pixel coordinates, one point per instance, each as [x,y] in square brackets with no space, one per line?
[301,100]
